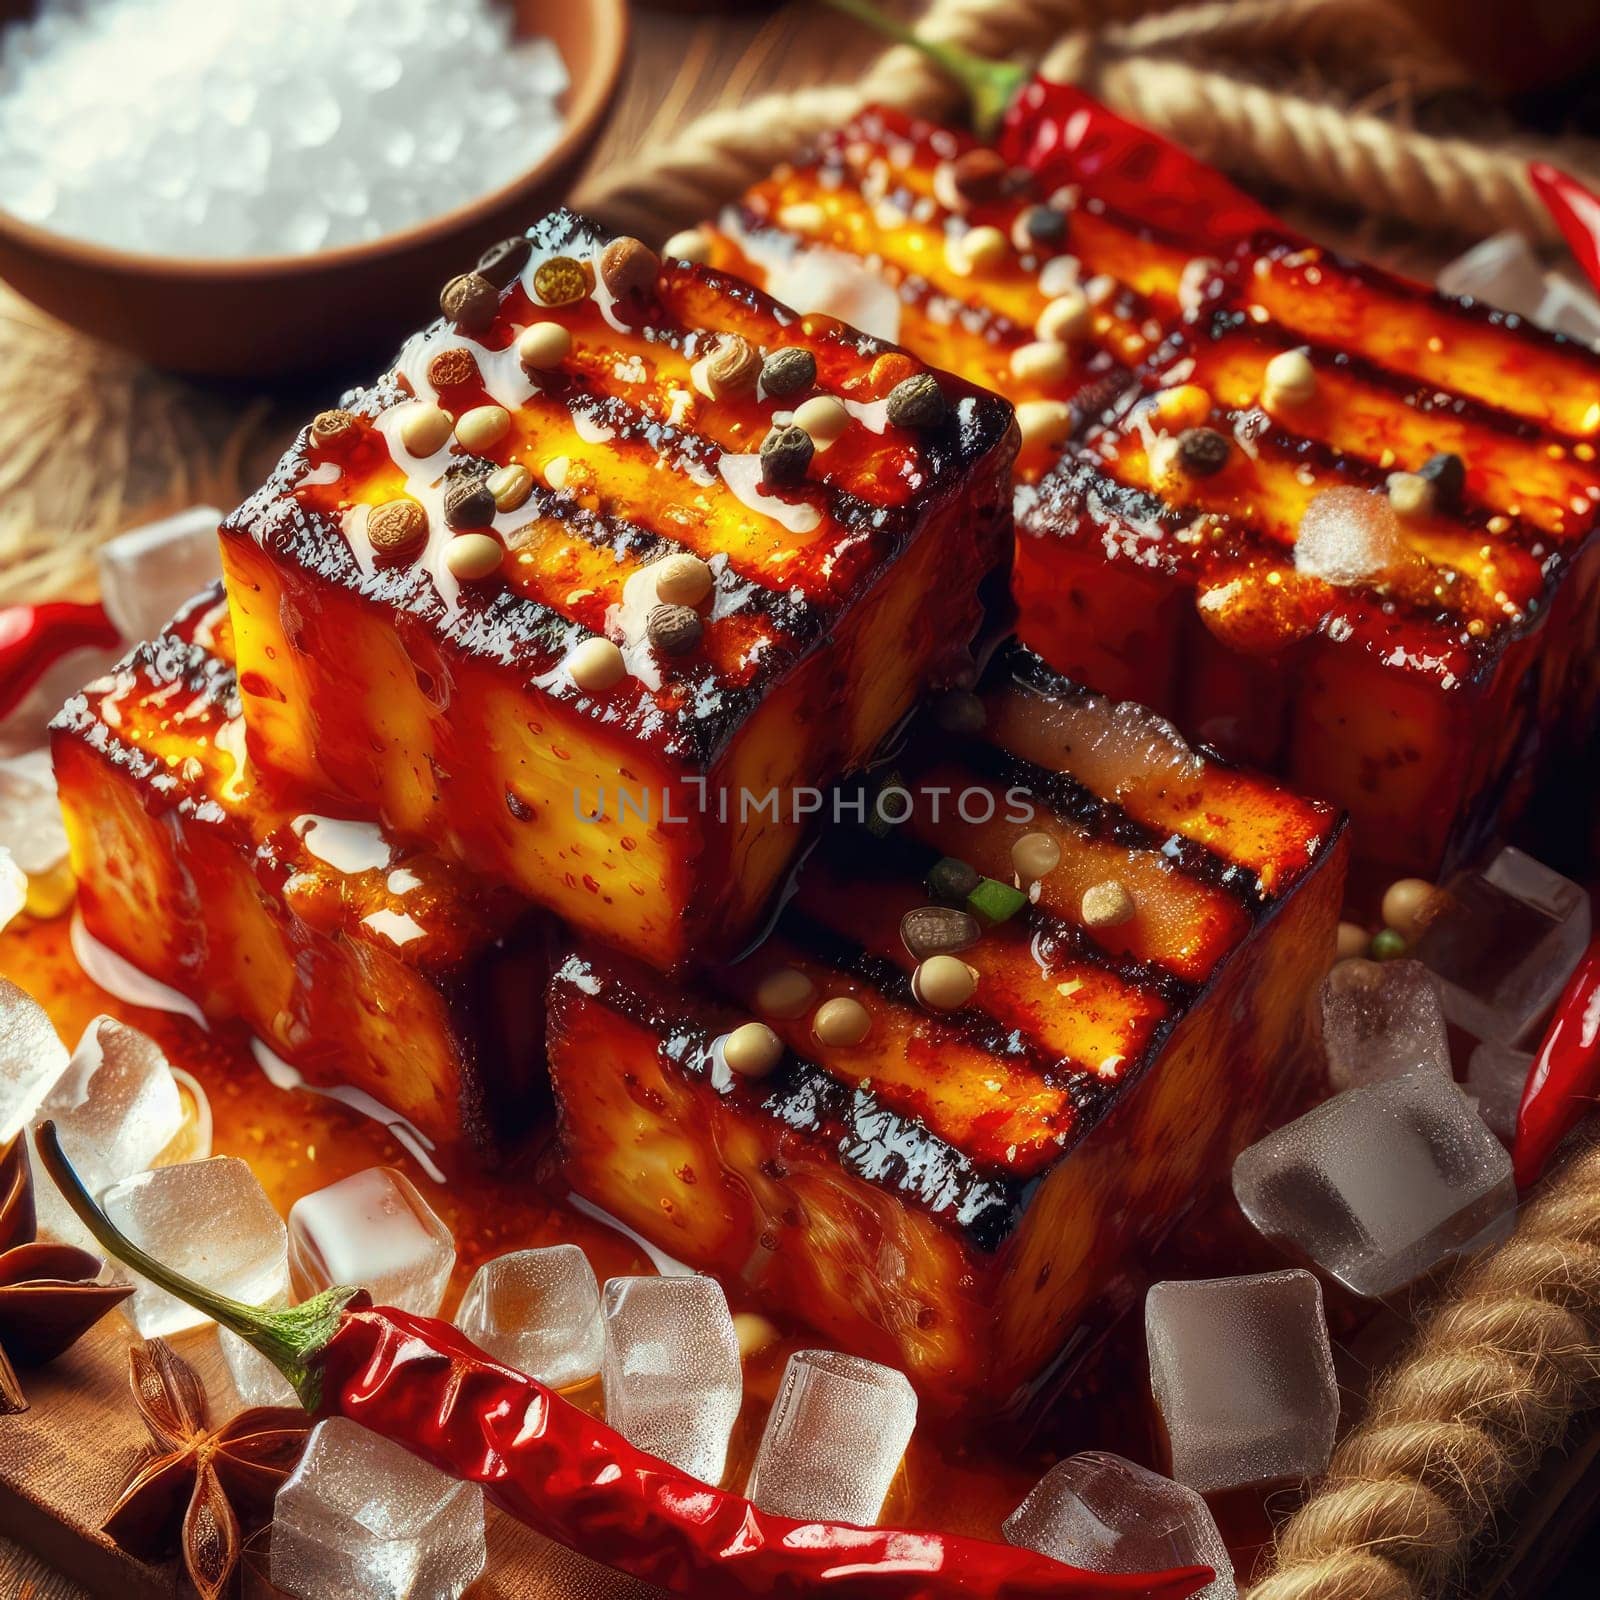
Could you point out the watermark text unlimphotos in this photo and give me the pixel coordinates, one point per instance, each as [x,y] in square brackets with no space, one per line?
[892,804]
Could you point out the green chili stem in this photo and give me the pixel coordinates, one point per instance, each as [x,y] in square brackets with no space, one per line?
[290,1339]
[991,86]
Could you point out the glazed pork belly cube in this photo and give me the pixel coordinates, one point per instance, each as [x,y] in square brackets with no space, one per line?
[357,961]
[1346,533]
[967,1193]
[913,232]
[539,597]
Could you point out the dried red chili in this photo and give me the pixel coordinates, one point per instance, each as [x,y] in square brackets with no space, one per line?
[33,637]
[1564,1081]
[1576,210]
[417,1381]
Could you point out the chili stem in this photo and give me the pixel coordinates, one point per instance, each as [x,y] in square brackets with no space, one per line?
[291,1339]
[991,86]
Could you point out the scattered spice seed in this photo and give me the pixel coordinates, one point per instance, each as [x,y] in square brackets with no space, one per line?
[1203,452]
[918,402]
[1066,319]
[690,245]
[944,983]
[1409,905]
[1034,856]
[1039,225]
[471,557]
[510,486]
[786,453]
[628,266]
[331,429]
[596,665]
[1183,406]
[823,417]
[1045,422]
[938,930]
[674,630]
[952,881]
[841,1022]
[682,580]
[1352,941]
[452,368]
[397,527]
[983,247]
[543,345]
[470,301]
[784,993]
[1107,905]
[1388,944]
[468,503]
[1410,495]
[978,176]
[752,1049]
[482,427]
[504,259]
[892,367]
[754,1332]
[1042,361]
[1447,472]
[732,366]
[1289,379]
[560,281]
[788,371]
[425,429]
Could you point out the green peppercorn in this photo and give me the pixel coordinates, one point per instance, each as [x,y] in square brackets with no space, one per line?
[786,452]
[951,881]
[918,402]
[788,371]
[1388,944]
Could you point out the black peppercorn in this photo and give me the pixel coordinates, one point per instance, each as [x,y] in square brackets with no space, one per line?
[918,402]
[951,881]
[1447,472]
[1044,224]
[468,503]
[1203,451]
[786,452]
[674,630]
[504,259]
[788,371]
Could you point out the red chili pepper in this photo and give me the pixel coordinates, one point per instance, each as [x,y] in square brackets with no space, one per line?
[419,1382]
[32,638]
[1564,1081]
[1063,136]
[1576,209]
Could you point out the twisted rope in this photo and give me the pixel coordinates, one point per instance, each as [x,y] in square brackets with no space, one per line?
[1491,1382]
[1136,56]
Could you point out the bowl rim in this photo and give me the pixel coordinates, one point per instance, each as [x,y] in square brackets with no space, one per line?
[608,28]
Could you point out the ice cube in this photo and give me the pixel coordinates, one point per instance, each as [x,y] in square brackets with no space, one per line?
[1380,1184]
[147,573]
[31,1059]
[1503,942]
[673,1382]
[1102,1513]
[539,1312]
[834,1439]
[30,814]
[372,1229]
[1496,1076]
[1380,1019]
[1243,1378]
[1349,536]
[13,889]
[360,1515]
[116,1109]
[1502,271]
[210,1220]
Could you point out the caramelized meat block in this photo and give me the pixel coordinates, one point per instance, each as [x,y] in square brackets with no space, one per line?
[966,1193]
[1037,296]
[1347,532]
[539,595]
[359,962]
[1415,693]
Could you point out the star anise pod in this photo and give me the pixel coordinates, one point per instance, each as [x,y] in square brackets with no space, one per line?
[49,1296]
[203,1486]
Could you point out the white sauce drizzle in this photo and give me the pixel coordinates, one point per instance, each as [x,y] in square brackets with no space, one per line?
[742,474]
[118,976]
[667,1266]
[343,845]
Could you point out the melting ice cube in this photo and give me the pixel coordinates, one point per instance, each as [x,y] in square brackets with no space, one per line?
[147,573]
[834,1439]
[539,1312]
[1243,1377]
[375,1230]
[210,1220]
[1380,1019]
[360,1515]
[30,813]
[1502,942]
[31,1059]
[116,1108]
[1380,1184]
[1496,1076]
[1102,1513]
[1349,536]
[673,1381]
